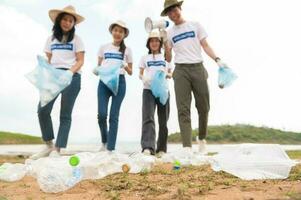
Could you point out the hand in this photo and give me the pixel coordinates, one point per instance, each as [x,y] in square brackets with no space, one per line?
[220,63]
[124,64]
[163,35]
[66,77]
[144,78]
[169,75]
[95,70]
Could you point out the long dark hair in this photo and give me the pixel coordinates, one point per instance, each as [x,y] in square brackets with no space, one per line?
[148,46]
[122,47]
[58,32]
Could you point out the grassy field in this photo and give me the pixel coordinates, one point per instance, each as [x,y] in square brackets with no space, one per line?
[244,134]
[16,138]
[164,183]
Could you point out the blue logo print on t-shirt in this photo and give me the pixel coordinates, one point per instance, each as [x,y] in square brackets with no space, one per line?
[117,56]
[67,46]
[156,63]
[183,36]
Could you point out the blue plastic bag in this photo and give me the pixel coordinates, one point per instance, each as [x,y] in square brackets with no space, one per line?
[46,79]
[109,75]
[225,77]
[159,87]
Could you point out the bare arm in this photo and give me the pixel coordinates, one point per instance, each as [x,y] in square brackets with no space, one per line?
[80,56]
[99,61]
[168,52]
[129,69]
[49,55]
[208,49]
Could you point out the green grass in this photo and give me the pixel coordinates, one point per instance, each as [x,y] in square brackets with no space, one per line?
[16,138]
[244,133]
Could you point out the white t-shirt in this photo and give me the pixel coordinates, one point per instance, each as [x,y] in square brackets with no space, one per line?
[151,64]
[111,55]
[64,55]
[185,41]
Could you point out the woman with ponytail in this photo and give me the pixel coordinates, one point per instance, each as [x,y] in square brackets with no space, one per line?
[109,55]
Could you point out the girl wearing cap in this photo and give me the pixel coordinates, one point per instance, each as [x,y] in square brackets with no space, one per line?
[108,55]
[65,51]
[149,65]
[187,39]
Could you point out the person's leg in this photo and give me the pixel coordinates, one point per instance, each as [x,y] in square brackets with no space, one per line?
[69,95]
[148,137]
[114,113]
[44,115]
[104,95]
[163,116]
[201,94]
[182,84]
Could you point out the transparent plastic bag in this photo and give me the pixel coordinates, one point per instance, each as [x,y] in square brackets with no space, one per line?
[109,75]
[254,161]
[47,79]
[12,172]
[225,77]
[159,87]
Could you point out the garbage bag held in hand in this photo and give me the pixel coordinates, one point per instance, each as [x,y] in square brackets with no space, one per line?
[225,77]
[109,75]
[159,87]
[48,80]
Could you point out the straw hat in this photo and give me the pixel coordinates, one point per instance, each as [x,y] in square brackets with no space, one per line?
[154,34]
[170,3]
[69,10]
[121,24]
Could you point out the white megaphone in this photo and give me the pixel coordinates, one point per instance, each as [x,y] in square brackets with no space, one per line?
[150,24]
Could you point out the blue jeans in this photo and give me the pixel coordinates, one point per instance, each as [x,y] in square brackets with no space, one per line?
[104,93]
[68,97]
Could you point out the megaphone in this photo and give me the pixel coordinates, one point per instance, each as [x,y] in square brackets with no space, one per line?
[149,24]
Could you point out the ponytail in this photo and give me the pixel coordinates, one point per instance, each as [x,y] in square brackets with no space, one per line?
[122,48]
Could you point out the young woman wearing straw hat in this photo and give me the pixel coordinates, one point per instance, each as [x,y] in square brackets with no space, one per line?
[65,51]
[149,65]
[187,39]
[108,55]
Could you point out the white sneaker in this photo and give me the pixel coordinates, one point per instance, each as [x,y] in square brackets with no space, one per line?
[103,147]
[202,146]
[160,154]
[44,153]
[54,154]
[147,152]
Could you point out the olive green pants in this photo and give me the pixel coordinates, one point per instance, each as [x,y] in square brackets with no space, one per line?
[188,79]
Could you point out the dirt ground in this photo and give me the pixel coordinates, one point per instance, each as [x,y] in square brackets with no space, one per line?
[162,183]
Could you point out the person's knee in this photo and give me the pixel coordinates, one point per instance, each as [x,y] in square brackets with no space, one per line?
[65,118]
[102,116]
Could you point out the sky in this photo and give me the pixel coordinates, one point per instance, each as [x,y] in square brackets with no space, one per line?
[259,40]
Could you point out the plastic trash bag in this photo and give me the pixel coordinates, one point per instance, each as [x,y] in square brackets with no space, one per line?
[254,161]
[47,79]
[12,172]
[159,87]
[225,77]
[109,75]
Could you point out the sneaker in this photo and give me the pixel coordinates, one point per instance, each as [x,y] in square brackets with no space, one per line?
[103,147]
[54,154]
[147,152]
[44,153]
[160,154]
[202,146]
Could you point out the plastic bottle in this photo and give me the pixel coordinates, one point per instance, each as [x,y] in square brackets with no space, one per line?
[76,171]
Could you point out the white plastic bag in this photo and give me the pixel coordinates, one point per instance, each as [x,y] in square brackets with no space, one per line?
[12,172]
[254,161]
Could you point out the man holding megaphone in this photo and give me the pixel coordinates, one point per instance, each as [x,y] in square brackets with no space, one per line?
[187,39]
